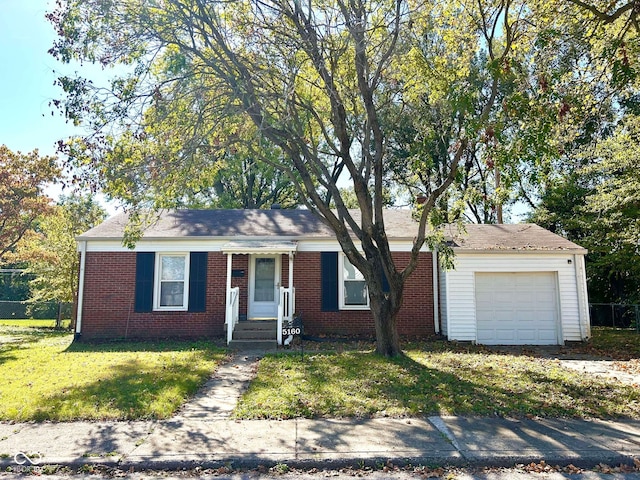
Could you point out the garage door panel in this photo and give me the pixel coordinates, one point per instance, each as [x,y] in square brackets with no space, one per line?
[550,336]
[525,316]
[502,297]
[516,308]
[546,297]
[502,317]
[505,335]
[527,336]
[485,337]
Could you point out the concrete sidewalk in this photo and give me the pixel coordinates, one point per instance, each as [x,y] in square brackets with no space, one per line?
[186,442]
[203,434]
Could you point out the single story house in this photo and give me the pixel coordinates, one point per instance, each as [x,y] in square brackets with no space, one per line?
[207,273]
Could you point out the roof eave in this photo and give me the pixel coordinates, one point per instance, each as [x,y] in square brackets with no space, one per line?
[558,251]
[297,238]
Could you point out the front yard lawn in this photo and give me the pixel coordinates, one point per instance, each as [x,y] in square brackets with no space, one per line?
[435,378]
[616,343]
[44,376]
[51,323]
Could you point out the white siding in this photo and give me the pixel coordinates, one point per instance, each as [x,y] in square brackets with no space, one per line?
[460,289]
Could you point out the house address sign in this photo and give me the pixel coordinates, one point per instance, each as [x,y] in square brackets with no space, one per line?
[286,331]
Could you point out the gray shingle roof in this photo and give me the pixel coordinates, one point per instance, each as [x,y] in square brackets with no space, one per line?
[518,237]
[300,224]
[243,223]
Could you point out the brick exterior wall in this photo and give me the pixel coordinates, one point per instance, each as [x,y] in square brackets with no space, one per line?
[109,286]
[108,302]
[414,319]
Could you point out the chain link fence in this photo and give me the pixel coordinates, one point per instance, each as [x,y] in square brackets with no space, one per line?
[616,315]
[53,310]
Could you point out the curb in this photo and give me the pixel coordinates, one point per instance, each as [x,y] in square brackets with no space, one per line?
[253,462]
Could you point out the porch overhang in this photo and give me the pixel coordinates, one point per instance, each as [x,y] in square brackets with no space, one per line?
[253,247]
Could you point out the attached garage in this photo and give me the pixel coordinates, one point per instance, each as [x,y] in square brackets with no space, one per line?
[516,308]
[514,285]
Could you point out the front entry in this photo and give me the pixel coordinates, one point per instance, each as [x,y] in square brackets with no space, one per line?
[264,280]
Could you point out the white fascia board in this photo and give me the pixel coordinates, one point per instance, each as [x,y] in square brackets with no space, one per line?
[325,245]
[215,244]
[156,246]
[470,251]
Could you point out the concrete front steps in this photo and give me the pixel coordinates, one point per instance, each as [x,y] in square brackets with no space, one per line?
[255,335]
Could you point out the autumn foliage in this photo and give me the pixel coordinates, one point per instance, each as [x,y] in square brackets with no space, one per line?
[22,201]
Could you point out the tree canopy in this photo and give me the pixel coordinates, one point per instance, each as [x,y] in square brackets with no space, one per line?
[598,206]
[23,178]
[50,249]
[481,95]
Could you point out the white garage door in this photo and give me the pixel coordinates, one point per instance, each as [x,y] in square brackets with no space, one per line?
[517,308]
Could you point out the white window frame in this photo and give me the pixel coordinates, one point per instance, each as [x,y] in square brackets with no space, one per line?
[156,283]
[341,300]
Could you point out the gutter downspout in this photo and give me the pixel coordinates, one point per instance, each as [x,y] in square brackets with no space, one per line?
[436,293]
[83,255]
[581,281]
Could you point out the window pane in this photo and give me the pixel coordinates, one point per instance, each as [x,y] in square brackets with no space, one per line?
[172,294]
[173,268]
[264,280]
[355,292]
[350,272]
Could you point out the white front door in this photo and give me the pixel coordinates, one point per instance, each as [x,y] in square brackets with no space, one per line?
[264,280]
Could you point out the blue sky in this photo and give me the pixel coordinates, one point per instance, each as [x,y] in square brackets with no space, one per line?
[27,77]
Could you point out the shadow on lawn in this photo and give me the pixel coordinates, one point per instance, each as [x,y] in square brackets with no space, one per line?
[605,344]
[364,384]
[120,387]
[166,345]
[533,388]
[133,390]
[16,338]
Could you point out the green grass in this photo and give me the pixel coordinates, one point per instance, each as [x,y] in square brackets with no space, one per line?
[49,323]
[44,376]
[621,344]
[435,378]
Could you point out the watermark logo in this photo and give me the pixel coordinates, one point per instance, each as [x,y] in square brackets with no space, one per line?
[21,458]
[25,463]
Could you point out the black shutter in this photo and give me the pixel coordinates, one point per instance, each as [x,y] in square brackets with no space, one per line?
[198,282]
[145,264]
[329,281]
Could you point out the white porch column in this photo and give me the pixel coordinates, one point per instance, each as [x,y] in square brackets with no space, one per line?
[228,292]
[291,295]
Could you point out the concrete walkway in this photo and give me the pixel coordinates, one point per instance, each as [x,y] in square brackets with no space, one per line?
[603,368]
[202,434]
[219,396]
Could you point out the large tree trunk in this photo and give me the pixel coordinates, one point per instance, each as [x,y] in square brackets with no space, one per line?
[384,318]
